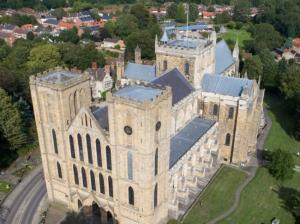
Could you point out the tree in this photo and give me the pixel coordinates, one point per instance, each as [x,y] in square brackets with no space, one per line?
[141,14]
[180,13]
[193,12]
[253,67]
[69,36]
[30,35]
[270,67]
[282,165]
[10,122]
[58,13]
[266,33]
[241,11]
[43,57]
[290,83]
[171,11]
[125,25]
[222,18]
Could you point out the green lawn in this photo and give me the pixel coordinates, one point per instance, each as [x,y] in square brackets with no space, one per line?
[233,34]
[261,200]
[4,186]
[218,197]
[281,133]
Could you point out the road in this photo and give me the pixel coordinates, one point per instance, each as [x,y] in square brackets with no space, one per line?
[22,204]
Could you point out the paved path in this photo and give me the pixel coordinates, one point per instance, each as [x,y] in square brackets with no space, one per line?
[22,204]
[297,169]
[250,169]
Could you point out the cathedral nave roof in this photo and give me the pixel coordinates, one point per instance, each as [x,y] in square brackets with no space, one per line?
[224,58]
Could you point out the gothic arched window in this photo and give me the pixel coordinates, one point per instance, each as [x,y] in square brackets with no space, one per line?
[93,184]
[130,196]
[215,109]
[101,182]
[227,139]
[59,173]
[79,140]
[110,187]
[155,196]
[156,162]
[108,158]
[98,150]
[54,141]
[89,148]
[75,171]
[230,113]
[72,149]
[83,174]
[129,166]
[186,68]
[165,65]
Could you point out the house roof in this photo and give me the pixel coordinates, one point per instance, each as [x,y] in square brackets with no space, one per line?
[51,21]
[21,31]
[225,85]
[98,74]
[111,40]
[199,26]
[180,86]
[139,93]
[140,72]
[182,142]
[224,57]
[86,19]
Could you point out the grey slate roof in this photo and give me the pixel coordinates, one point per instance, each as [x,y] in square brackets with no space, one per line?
[225,85]
[224,57]
[101,115]
[180,86]
[60,76]
[187,137]
[140,72]
[51,21]
[139,93]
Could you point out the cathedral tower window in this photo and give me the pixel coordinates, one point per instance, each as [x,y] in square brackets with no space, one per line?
[79,140]
[101,182]
[72,149]
[128,130]
[54,141]
[108,158]
[59,173]
[99,156]
[93,184]
[156,162]
[75,171]
[155,196]
[83,174]
[215,109]
[79,204]
[129,166]
[89,148]
[110,187]
[230,113]
[130,196]
[165,65]
[227,139]
[157,126]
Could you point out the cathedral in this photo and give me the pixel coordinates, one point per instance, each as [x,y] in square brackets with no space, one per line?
[145,153]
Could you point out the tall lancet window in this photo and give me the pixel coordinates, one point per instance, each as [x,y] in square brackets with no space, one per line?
[129,165]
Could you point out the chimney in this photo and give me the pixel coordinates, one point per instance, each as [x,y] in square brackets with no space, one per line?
[94,65]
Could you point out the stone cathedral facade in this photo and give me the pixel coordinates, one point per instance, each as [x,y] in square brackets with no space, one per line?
[144,154]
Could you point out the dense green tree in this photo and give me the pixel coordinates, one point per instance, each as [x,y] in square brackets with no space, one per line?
[241,11]
[110,26]
[253,67]
[125,25]
[290,82]
[193,12]
[43,57]
[30,35]
[10,122]
[171,11]
[141,14]
[58,13]
[270,67]
[266,33]
[18,19]
[69,36]
[180,13]
[222,18]
[282,165]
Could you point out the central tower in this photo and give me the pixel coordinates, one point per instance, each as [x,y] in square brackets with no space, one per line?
[140,133]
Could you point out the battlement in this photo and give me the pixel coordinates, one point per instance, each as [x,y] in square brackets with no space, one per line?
[194,45]
[59,77]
